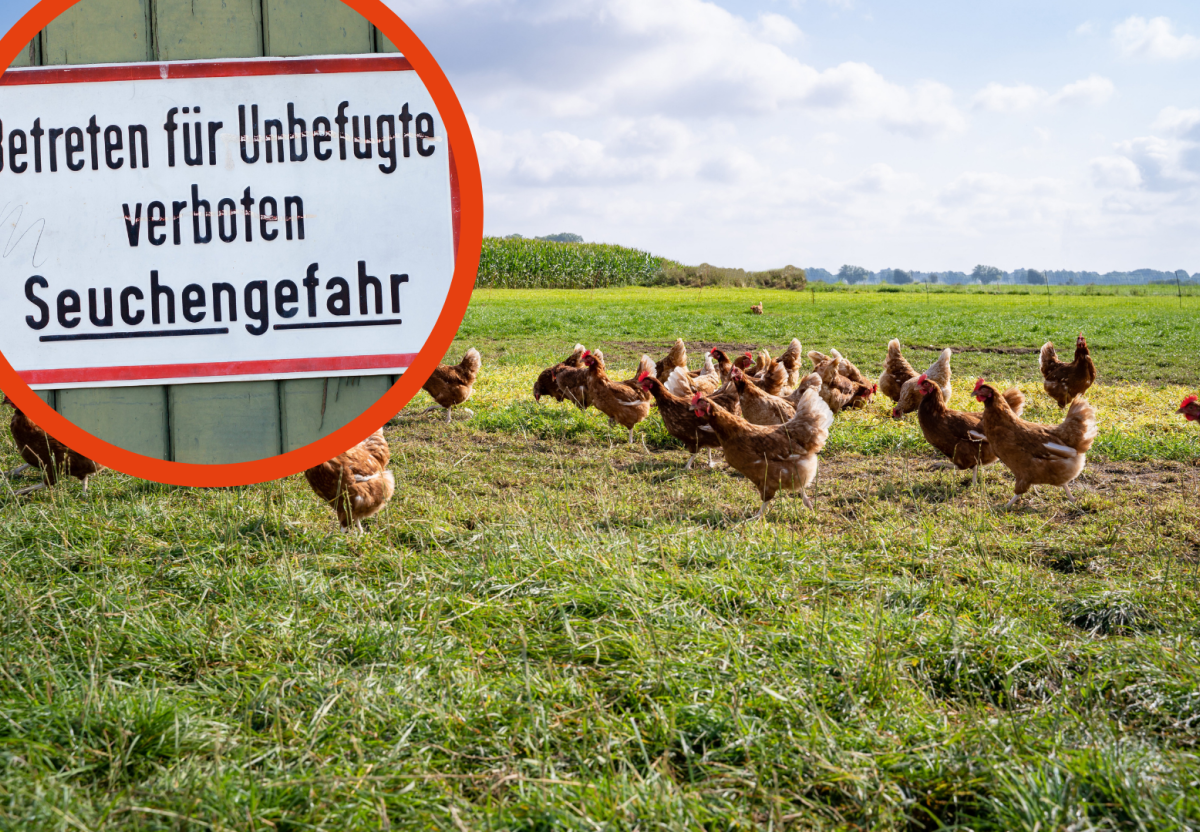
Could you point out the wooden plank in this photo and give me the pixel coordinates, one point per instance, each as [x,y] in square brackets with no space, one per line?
[99,31]
[314,27]
[224,423]
[133,418]
[382,44]
[208,29]
[315,407]
[31,55]
[47,396]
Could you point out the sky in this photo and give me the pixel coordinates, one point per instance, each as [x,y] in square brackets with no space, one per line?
[922,135]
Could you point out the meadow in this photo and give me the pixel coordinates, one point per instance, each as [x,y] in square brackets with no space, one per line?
[550,629]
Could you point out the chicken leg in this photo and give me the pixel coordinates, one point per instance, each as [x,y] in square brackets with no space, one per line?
[26,491]
[762,510]
[692,459]
[16,472]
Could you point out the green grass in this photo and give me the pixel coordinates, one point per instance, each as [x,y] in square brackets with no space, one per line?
[548,629]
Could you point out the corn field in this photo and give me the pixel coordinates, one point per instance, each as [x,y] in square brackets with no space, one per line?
[540,264]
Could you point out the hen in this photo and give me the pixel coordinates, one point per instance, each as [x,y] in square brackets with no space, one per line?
[839,392]
[758,406]
[1037,454]
[777,457]
[848,370]
[677,357]
[896,371]
[938,373]
[450,386]
[681,422]
[757,310]
[791,362]
[622,402]
[685,385]
[547,385]
[41,450]
[1063,382]
[1190,408]
[955,433]
[356,484]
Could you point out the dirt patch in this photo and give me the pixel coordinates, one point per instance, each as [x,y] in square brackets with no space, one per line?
[996,350]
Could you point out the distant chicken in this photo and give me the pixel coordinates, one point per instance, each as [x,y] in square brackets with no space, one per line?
[938,372]
[41,450]
[896,372]
[450,386]
[773,458]
[1063,382]
[624,403]
[791,362]
[677,357]
[356,484]
[757,310]
[958,434]
[681,422]
[839,392]
[1190,408]
[758,406]
[546,384]
[1037,454]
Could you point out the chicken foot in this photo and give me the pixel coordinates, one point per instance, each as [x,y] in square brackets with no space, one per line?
[16,472]
[26,491]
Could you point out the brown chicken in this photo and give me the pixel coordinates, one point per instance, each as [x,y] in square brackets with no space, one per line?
[41,450]
[896,371]
[624,403]
[546,385]
[848,370]
[757,310]
[777,457]
[958,434]
[1063,382]
[685,385]
[1037,454]
[724,365]
[450,386]
[812,381]
[791,362]
[839,392]
[681,422]
[356,484]
[767,373]
[938,372]
[1190,409]
[758,406]
[677,357]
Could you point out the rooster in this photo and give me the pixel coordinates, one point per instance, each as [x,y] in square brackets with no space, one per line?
[773,458]
[955,433]
[356,484]
[677,357]
[1037,454]
[758,406]
[791,362]
[938,372]
[41,450]
[547,385]
[681,422]
[624,403]
[1190,409]
[1063,382]
[896,371]
[450,386]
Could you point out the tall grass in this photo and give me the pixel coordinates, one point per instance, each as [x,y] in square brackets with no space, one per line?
[541,264]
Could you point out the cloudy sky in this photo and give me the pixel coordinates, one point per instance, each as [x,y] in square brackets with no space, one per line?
[928,134]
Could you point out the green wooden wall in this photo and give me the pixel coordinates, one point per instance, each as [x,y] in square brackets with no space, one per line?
[225,422]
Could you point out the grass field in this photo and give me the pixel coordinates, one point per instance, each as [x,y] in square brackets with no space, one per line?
[549,629]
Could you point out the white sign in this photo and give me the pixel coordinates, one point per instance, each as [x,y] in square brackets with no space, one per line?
[221,220]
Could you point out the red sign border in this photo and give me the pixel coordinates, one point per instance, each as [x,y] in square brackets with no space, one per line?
[468,215]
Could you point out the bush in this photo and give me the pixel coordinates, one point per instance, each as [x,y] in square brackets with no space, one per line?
[789,277]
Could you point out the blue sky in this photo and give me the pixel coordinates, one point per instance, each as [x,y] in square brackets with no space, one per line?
[755,133]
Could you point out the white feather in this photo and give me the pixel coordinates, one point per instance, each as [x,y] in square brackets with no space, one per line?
[1061,450]
[361,478]
[977,436]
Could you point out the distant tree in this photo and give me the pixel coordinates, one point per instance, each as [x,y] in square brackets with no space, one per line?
[853,274]
[1181,275]
[900,276]
[931,277]
[986,274]
[514,237]
[1034,276]
[562,238]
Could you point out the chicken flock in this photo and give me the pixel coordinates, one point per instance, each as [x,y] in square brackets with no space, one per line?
[769,417]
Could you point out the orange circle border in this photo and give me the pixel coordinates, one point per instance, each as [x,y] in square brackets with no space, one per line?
[466,161]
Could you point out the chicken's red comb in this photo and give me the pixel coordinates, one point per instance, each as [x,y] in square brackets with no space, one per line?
[642,375]
[748,355]
[713,350]
[586,353]
[696,399]
[978,383]
[925,377]
[1187,401]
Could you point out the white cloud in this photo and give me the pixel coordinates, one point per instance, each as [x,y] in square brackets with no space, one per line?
[1115,172]
[1085,28]
[998,98]
[1138,37]
[1179,122]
